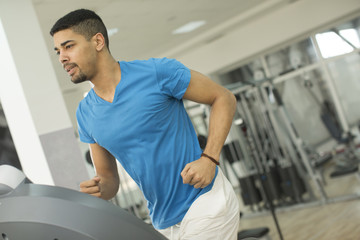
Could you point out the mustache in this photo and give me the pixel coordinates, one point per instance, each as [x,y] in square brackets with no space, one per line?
[71,65]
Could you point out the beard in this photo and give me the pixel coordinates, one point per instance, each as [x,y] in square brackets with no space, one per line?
[79,78]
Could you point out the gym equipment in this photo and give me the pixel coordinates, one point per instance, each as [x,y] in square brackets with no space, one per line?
[260,175]
[254,233]
[299,144]
[292,175]
[250,194]
[348,162]
[260,233]
[281,179]
[259,158]
[40,212]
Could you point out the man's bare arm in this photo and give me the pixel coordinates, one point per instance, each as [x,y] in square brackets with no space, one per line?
[223,103]
[106,182]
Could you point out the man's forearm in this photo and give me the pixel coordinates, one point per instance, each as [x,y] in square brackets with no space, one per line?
[221,116]
[109,186]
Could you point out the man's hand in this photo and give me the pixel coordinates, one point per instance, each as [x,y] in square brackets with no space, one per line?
[199,173]
[91,187]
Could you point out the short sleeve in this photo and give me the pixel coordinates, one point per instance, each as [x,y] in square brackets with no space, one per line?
[172,76]
[83,134]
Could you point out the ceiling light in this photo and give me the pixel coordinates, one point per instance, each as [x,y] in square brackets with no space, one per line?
[191,26]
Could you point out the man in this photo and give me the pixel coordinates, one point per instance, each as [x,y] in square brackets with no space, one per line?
[135,114]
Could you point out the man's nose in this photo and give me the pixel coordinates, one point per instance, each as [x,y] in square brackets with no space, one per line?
[63,58]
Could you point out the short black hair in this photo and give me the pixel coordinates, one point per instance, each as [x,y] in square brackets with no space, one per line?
[84,22]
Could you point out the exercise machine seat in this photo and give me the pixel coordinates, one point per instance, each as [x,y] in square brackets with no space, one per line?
[253,233]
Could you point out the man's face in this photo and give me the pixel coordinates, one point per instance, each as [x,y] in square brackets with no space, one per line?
[76,54]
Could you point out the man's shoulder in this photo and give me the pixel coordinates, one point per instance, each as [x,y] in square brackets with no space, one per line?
[85,102]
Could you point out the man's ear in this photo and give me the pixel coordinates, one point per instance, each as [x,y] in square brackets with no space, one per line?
[99,41]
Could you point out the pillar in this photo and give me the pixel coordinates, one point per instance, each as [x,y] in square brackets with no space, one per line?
[33,103]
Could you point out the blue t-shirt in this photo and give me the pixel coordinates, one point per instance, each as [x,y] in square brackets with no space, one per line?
[147,129]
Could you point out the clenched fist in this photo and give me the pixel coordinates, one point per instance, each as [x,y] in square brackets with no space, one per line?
[91,187]
[199,173]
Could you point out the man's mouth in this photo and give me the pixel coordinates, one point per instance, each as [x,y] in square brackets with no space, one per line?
[70,68]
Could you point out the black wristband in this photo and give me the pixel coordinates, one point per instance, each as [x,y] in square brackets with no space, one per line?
[211,158]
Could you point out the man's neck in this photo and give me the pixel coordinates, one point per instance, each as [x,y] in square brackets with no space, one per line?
[107,78]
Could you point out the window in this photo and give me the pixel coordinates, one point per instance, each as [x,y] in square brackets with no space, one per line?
[333,43]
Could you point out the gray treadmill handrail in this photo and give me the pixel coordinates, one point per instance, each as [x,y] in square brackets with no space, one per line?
[10,178]
[47,212]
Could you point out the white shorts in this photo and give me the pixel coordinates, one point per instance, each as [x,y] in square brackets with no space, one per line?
[214,215]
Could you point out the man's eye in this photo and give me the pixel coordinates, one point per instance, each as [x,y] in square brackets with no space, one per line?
[57,52]
[68,46]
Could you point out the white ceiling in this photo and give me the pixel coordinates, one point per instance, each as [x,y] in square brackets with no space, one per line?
[145,26]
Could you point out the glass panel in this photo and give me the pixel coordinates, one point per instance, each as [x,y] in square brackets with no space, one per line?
[352,36]
[340,40]
[303,98]
[331,44]
[327,42]
[345,73]
[354,33]
[243,75]
[292,57]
